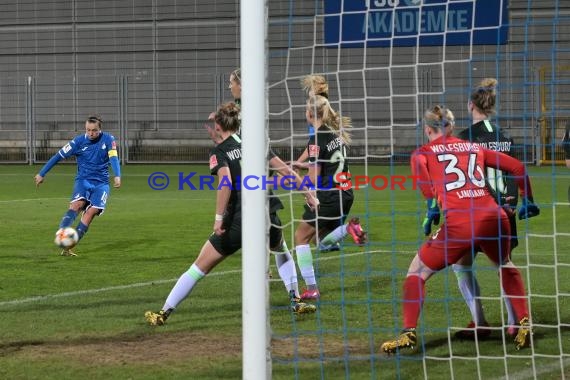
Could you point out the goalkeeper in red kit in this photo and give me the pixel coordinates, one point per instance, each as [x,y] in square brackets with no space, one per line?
[450,174]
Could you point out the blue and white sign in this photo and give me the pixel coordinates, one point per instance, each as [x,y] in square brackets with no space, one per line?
[354,23]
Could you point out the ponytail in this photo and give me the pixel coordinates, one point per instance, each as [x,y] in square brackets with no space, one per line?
[320,107]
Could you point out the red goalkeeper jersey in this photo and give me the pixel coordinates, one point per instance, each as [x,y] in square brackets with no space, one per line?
[451,170]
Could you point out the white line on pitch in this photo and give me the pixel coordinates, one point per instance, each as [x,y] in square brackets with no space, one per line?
[101,290]
[541,370]
[30,200]
[142,284]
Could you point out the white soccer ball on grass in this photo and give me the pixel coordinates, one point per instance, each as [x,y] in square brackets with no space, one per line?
[66,237]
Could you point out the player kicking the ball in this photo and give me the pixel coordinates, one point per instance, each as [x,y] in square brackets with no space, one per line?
[94,151]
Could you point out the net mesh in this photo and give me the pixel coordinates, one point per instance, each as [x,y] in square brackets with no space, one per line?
[383,74]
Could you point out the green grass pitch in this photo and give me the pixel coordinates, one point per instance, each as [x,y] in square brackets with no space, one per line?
[78,317]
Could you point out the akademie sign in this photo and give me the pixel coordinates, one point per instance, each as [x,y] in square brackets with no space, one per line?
[354,23]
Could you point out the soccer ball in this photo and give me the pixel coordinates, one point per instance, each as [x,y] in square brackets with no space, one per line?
[66,237]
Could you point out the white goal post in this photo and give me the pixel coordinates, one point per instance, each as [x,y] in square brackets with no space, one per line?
[256,359]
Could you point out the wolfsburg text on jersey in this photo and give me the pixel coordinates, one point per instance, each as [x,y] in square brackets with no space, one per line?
[499,146]
[455,147]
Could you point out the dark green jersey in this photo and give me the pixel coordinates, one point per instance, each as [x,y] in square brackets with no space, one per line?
[274,202]
[228,154]
[490,137]
[327,149]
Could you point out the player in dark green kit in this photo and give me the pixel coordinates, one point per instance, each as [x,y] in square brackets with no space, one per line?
[226,237]
[327,150]
[503,187]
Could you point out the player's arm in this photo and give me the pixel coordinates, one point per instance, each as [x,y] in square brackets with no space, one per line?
[510,164]
[275,163]
[115,164]
[315,156]
[66,151]
[314,172]
[222,197]
[301,162]
[418,163]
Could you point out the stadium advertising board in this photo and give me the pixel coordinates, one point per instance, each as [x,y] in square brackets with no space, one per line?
[387,23]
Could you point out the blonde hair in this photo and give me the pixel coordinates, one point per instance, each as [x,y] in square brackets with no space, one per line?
[320,108]
[315,85]
[438,118]
[228,117]
[237,75]
[484,95]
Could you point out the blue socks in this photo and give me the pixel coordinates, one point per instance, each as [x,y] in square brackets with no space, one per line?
[81,229]
[68,219]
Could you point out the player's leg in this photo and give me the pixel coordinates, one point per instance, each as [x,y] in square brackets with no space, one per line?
[513,286]
[498,251]
[90,213]
[412,302]
[209,257]
[352,227]
[511,318]
[283,258]
[469,288]
[330,215]
[71,214]
[286,267]
[331,239]
[96,197]
[214,251]
[434,255]
[340,231]
[77,203]
[288,273]
[303,235]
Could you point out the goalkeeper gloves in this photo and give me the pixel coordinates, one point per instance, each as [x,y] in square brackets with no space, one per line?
[528,209]
[509,204]
[432,216]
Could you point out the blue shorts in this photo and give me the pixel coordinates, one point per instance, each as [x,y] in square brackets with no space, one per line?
[94,192]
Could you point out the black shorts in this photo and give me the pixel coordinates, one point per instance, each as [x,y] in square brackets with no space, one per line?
[230,241]
[331,214]
[275,231]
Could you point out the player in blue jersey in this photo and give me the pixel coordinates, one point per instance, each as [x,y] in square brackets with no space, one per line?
[94,151]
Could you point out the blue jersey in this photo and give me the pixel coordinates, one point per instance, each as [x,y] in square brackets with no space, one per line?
[93,156]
